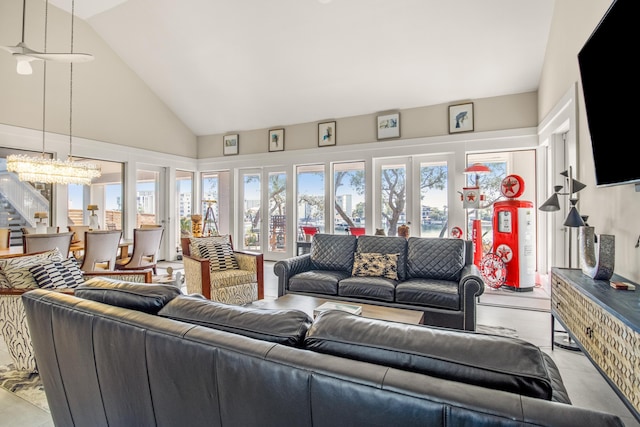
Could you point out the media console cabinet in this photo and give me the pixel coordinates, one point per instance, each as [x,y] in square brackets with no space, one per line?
[605,323]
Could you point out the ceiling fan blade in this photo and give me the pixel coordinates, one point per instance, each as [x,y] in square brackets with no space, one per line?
[12,49]
[61,57]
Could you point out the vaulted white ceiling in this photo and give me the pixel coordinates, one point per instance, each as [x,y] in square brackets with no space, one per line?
[233,65]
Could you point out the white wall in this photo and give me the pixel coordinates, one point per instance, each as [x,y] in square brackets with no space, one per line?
[611,210]
[110,102]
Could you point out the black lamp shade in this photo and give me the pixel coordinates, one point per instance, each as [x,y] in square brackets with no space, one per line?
[574,219]
[552,204]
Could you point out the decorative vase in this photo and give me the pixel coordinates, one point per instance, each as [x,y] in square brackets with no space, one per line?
[596,259]
[404,231]
[196,225]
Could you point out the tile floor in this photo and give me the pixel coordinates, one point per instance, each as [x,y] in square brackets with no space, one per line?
[586,387]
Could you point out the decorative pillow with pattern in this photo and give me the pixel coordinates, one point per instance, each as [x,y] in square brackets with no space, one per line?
[375,265]
[16,269]
[195,242]
[57,274]
[219,254]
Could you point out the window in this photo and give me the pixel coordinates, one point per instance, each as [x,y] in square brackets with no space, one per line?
[433,199]
[105,192]
[311,189]
[392,197]
[277,187]
[184,202]
[251,191]
[349,202]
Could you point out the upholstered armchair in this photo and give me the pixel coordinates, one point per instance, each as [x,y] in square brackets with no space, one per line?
[16,278]
[222,274]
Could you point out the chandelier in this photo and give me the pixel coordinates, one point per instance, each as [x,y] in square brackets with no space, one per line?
[54,171]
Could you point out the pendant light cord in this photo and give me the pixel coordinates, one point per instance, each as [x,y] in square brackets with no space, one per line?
[44,72]
[73,5]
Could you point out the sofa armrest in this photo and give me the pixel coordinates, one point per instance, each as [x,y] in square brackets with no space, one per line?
[470,287]
[198,275]
[471,281]
[252,261]
[287,268]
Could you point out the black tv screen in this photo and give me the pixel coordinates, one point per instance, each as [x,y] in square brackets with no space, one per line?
[609,76]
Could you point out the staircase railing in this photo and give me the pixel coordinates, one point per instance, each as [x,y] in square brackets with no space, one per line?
[23,197]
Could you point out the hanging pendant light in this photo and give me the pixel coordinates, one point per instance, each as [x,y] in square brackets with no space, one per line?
[47,170]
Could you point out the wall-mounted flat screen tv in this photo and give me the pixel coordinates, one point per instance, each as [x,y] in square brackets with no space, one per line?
[609,75]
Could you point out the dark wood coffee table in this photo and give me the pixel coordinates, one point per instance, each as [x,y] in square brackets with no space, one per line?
[308,304]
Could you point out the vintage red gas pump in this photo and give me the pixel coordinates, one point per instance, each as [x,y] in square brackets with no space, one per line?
[514,235]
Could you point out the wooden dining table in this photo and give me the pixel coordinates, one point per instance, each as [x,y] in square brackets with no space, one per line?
[76,247]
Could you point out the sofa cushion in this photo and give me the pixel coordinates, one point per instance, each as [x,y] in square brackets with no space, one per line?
[287,327]
[16,269]
[57,275]
[333,252]
[386,245]
[194,243]
[373,288]
[149,298]
[491,361]
[429,293]
[433,258]
[317,281]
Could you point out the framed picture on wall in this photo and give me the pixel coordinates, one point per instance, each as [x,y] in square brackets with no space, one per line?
[276,140]
[326,134]
[461,118]
[388,126]
[230,144]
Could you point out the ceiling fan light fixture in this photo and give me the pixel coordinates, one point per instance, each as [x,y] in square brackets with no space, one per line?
[24,66]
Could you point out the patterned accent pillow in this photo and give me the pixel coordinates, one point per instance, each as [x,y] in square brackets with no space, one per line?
[57,275]
[375,265]
[195,242]
[16,269]
[220,256]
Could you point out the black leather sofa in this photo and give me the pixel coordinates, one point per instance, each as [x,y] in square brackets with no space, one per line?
[136,355]
[436,276]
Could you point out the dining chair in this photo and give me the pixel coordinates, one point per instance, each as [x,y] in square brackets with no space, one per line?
[78,237]
[33,230]
[146,244]
[150,226]
[78,231]
[100,250]
[45,242]
[5,238]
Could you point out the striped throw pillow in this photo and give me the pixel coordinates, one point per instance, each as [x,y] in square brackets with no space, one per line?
[16,270]
[219,254]
[57,274]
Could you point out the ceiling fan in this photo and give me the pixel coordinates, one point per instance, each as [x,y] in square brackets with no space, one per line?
[24,54]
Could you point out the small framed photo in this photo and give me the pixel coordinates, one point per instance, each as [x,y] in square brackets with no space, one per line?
[326,134]
[276,140]
[461,118]
[230,144]
[389,126]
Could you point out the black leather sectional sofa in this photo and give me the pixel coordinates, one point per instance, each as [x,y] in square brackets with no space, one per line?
[436,276]
[144,355]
